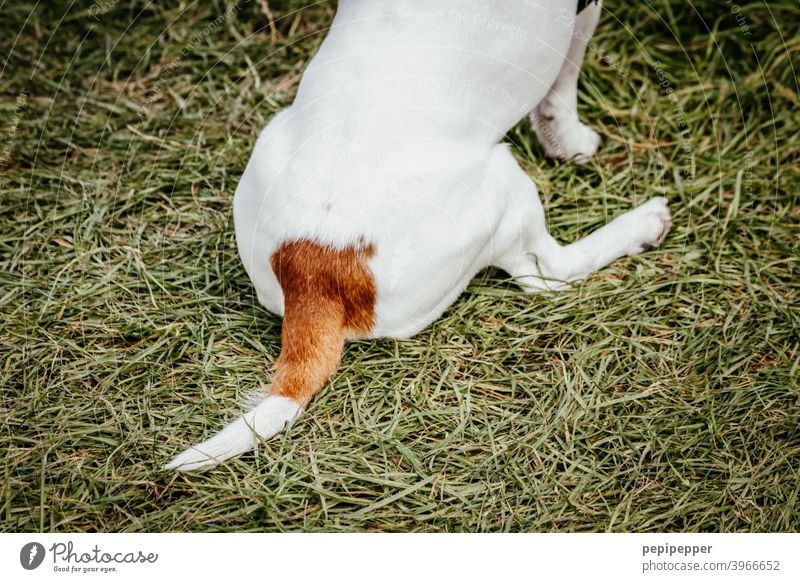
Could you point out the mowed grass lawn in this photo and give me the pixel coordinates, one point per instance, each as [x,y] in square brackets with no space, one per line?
[659,395]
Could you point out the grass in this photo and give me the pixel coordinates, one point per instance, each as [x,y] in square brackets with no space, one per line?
[659,395]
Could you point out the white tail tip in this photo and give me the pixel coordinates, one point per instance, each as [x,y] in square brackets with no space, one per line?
[265,421]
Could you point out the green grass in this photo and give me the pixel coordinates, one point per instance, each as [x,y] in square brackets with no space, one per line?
[660,395]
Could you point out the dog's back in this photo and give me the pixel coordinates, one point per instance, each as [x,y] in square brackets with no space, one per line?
[391,136]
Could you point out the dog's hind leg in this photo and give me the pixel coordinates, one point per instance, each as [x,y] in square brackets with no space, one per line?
[631,233]
[524,248]
[555,118]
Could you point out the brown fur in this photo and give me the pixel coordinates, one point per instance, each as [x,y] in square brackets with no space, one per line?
[328,295]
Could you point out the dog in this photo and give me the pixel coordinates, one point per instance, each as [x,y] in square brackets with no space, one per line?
[370,203]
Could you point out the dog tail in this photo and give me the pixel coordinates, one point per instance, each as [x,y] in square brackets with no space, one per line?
[329,295]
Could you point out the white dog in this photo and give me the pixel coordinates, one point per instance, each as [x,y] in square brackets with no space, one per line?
[370,203]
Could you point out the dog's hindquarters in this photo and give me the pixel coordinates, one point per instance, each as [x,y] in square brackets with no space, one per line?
[329,295]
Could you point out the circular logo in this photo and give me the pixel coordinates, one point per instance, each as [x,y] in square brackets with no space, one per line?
[31,555]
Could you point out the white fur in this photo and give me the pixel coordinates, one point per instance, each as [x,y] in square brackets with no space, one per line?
[555,118]
[394,139]
[265,421]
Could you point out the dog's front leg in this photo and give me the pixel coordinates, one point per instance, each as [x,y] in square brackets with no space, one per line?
[555,118]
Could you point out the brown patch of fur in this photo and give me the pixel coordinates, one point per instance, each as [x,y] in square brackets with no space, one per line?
[328,294]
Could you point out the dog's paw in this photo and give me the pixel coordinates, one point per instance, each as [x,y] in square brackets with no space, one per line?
[646,226]
[565,137]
